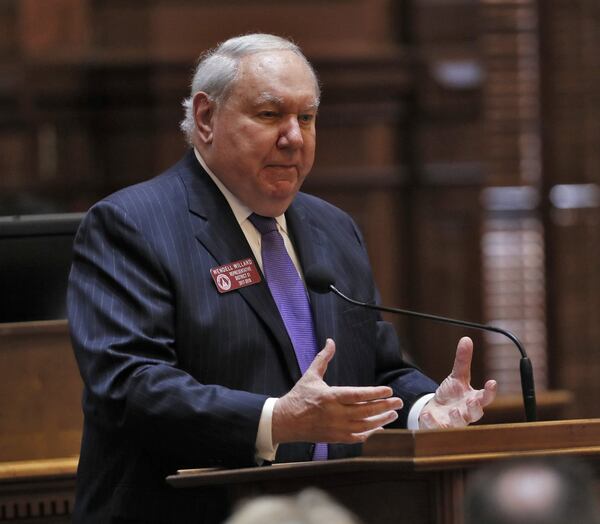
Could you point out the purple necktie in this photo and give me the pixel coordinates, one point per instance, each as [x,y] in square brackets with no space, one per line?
[290,296]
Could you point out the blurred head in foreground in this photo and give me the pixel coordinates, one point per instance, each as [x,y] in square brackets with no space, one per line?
[310,506]
[532,491]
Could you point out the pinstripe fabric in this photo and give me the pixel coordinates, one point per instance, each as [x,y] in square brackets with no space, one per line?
[175,373]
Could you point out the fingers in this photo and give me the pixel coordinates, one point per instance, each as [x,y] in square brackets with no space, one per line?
[355,427]
[357,438]
[354,431]
[457,420]
[488,393]
[358,419]
[428,421]
[315,412]
[322,359]
[370,413]
[353,395]
[484,397]
[460,413]
[443,419]
[474,411]
[370,409]
[461,370]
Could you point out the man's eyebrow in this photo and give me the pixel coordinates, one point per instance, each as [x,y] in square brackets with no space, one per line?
[270,98]
[266,98]
[312,107]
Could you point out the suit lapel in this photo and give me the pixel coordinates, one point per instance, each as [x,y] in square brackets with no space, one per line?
[216,228]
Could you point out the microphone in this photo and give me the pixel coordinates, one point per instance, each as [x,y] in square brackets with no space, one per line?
[321,280]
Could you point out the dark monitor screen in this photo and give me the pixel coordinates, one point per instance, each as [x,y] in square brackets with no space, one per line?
[35,259]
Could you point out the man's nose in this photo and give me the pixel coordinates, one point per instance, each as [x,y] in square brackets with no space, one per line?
[290,134]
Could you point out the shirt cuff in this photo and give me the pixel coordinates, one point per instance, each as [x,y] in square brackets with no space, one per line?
[265,451]
[415,411]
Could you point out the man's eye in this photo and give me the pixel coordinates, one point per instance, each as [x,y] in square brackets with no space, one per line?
[268,114]
[306,119]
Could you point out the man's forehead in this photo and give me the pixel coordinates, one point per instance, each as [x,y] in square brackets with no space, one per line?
[281,58]
[270,68]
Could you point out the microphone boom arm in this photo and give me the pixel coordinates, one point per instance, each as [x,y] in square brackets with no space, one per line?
[525,366]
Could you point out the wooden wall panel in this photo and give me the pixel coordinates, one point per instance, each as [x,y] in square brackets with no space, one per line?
[571,83]
[52,24]
[514,245]
[183,28]
[575,331]
[114,86]
[8,29]
[510,45]
[446,277]
[571,69]
[445,177]
[40,404]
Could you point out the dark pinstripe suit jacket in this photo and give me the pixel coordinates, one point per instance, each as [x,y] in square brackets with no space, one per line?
[175,373]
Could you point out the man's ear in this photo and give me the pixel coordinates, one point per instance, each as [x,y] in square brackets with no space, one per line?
[204,110]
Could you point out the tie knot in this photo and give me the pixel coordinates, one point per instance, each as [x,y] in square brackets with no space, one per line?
[263,224]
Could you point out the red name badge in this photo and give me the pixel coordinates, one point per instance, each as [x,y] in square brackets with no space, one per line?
[235,275]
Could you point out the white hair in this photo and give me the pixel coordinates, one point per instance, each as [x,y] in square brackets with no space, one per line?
[218,68]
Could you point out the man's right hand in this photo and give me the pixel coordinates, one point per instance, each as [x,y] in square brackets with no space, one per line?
[315,412]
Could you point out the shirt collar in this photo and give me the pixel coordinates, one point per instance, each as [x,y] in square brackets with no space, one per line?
[241,211]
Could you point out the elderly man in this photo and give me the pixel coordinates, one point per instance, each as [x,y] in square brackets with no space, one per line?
[196,338]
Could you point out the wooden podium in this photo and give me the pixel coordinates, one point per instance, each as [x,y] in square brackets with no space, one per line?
[408,476]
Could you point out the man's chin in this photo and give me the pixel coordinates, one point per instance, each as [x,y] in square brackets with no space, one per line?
[277,202]
[283,188]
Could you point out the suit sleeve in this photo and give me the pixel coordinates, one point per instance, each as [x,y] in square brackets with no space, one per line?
[122,320]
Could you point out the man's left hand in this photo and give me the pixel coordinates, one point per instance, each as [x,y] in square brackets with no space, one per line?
[456,403]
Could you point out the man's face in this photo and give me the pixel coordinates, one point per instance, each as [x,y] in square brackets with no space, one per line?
[262,140]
